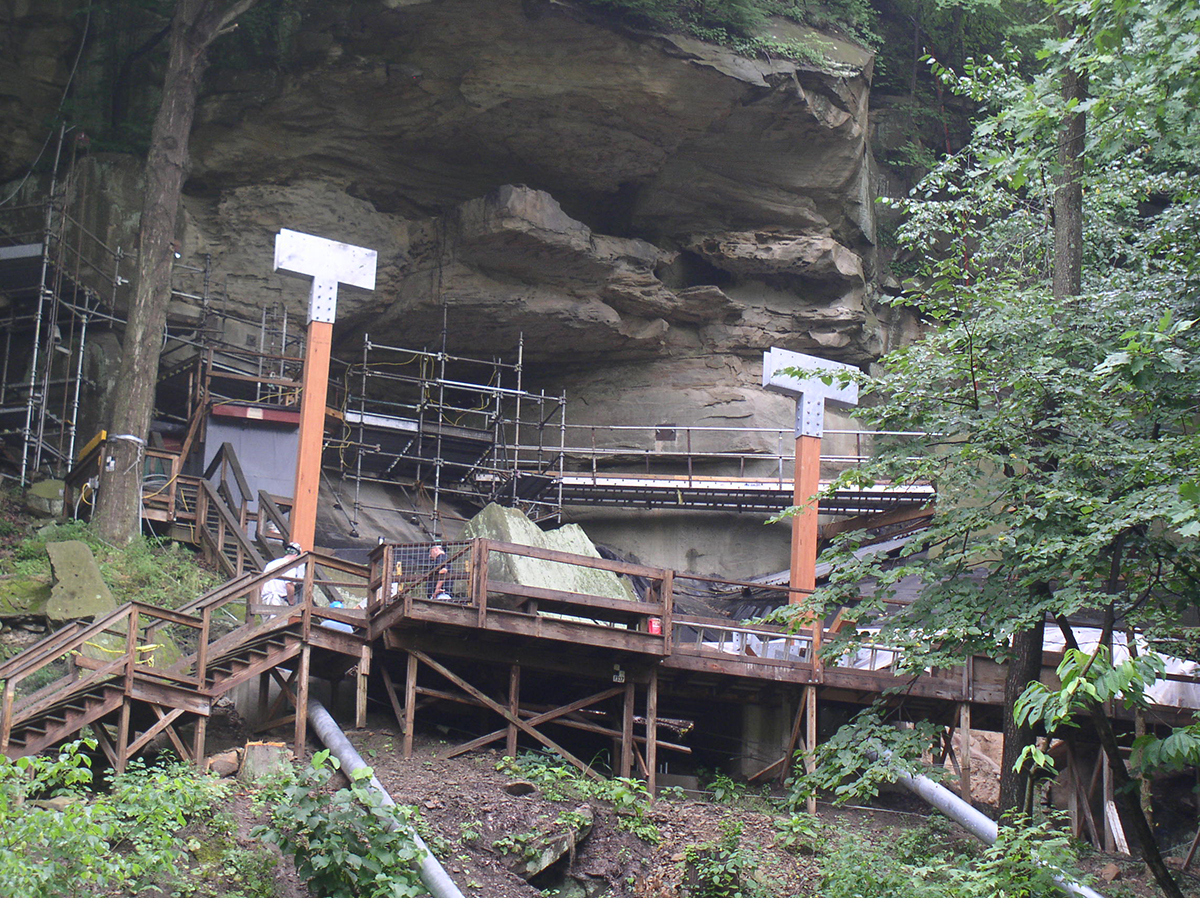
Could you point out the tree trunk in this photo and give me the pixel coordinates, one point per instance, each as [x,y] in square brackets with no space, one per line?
[1068,186]
[1024,667]
[1129,805]
[195,25]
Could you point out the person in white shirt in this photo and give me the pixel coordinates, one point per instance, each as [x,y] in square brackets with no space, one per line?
[281,591]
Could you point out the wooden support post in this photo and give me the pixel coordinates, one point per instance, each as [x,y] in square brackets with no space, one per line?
[10,688]
[123,736]
[964,729]
[410,704]
[811,740]
[514,707]
[301,731]
[652,733]
[397,711]
[1082,799]
[105,742]
[264,692]
[360,695]
[303,520]
[199,735]
[804,529]
[1114,835]
[626,767]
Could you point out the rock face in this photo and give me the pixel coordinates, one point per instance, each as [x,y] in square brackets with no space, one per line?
[616,196]
[647,212]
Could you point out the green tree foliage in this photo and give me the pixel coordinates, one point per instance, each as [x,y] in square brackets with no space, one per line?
[1059,430]
[57,840]
[345,842]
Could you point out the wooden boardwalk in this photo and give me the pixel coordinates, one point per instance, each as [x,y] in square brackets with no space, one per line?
[457,632]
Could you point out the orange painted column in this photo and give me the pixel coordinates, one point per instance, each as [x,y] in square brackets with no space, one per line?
[804,525]
[312,433]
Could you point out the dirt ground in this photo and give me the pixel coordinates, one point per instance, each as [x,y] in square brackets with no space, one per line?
[466,806]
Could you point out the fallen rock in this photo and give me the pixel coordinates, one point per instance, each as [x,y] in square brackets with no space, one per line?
[78,591]
[45,498]
[1110,873]
[227,763]
[545,848]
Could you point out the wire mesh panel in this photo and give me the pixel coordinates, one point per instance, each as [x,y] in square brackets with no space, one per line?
[438,572]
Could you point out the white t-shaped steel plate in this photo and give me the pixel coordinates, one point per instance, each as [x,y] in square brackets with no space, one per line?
[328,263]
[811,391]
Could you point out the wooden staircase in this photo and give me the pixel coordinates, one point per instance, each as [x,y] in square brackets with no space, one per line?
[142,672]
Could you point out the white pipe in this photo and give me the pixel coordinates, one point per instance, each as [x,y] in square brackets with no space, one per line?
[972,820]
[433,874]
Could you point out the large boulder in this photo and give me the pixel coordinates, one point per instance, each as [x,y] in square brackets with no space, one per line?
[510,525]
[79,590]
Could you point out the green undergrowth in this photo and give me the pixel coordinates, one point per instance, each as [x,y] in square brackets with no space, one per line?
[156,829]
[561,782]
[345,842]
[151,570]
[742,25]
[167,830]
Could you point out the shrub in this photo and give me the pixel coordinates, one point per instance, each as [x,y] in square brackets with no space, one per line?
[345,842]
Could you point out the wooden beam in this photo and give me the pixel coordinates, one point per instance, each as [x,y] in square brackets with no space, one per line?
[652,732]
[360,694]
[199,737]
[964,728]
[105,742]
[503,712]
[410,703]
[164,721]
[810,693]
[123,737]
[397,711]
[626,767]
[303,520]
[535,720]
[514,708]
[301,731]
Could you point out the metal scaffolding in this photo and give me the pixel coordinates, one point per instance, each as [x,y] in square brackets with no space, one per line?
[448,425]
[58,282]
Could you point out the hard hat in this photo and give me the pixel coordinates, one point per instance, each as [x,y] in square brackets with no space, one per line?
[293,549]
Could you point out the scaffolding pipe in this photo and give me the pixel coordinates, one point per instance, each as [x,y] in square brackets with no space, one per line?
[47,233]
[74,422]
[972,820]
[433,874]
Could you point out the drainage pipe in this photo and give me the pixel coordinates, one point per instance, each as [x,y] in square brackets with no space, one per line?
[433,874]
[973,821]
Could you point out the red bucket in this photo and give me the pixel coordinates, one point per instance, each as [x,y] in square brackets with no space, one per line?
[655,626]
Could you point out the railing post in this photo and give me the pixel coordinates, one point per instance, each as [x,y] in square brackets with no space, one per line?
[307,599]
[131,646]
[202,647]
[668,608]
[481,581]
[10,688]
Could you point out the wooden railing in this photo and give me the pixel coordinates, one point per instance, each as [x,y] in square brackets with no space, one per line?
[161,648]
[405,579]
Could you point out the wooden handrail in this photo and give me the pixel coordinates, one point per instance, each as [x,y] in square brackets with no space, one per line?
[268,508]
[602,564]
[231,525]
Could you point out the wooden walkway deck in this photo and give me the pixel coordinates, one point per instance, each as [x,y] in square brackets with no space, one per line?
[459,630]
